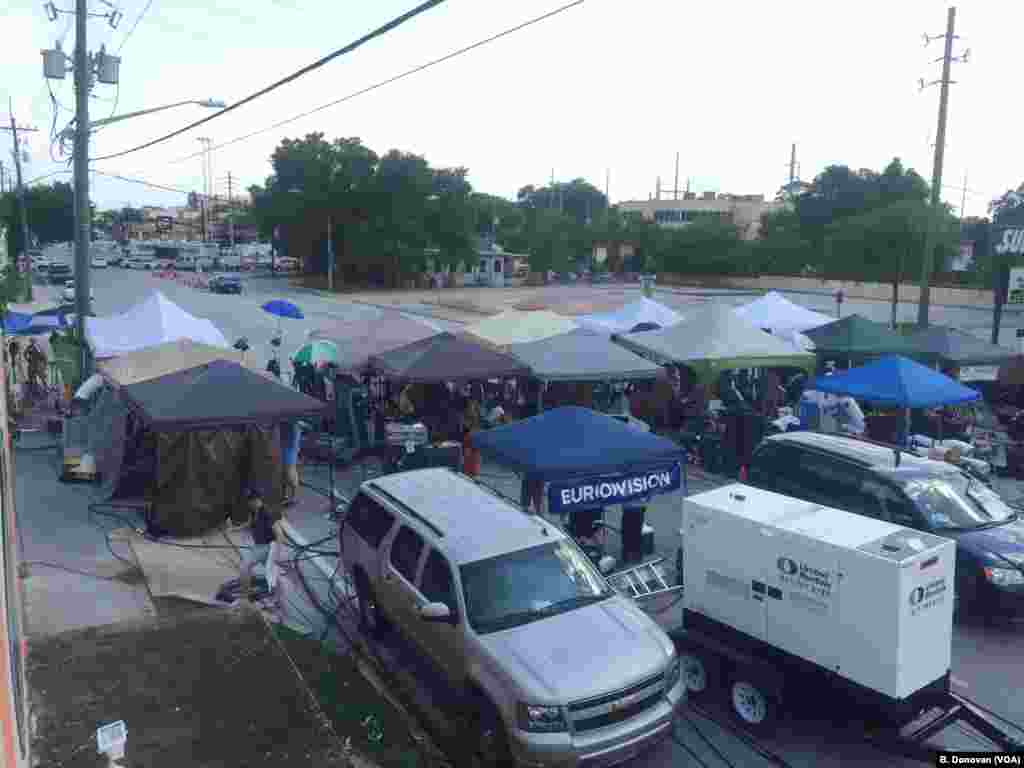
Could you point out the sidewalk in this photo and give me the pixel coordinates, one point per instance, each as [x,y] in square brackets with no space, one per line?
[196,685]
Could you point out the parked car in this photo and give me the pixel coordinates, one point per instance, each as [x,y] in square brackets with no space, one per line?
[286,264]
[556,666]
[141,262]
[57,273]
[68,294]
[933,496]
[228,283]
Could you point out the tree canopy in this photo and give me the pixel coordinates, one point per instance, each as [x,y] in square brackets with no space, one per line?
[51,215]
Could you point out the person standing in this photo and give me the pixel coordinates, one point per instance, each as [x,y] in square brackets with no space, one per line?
[470,424]
[291,441]
[267,537]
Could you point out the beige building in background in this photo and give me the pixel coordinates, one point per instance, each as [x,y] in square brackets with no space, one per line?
[743,211]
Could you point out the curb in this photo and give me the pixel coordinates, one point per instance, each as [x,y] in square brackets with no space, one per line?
[391,307]
[695,291]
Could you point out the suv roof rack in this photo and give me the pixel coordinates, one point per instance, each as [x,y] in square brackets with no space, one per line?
[407,509]
[896,450]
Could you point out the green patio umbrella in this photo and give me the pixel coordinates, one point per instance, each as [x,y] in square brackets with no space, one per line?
[317,351]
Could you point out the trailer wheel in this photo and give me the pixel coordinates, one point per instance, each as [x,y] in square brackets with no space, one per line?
[752,705]
[699,671]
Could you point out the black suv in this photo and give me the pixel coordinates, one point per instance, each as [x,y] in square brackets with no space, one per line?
[901,488]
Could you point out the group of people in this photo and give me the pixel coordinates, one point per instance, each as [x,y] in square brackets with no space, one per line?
[29,367]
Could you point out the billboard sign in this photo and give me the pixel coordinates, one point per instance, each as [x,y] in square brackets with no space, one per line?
[1009,241]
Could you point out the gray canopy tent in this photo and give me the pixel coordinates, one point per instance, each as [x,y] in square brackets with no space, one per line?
[714,339]
[582,356]
[952,347]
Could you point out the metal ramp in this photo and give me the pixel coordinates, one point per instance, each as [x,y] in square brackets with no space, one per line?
[643,581]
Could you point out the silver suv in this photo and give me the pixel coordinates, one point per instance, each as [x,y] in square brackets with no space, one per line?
[559,669]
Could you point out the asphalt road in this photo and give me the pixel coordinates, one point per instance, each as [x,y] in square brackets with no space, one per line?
[987,660]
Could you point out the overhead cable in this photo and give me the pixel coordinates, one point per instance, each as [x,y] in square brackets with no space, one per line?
[284,81]
[390,80]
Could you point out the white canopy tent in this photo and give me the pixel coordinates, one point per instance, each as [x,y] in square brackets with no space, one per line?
[777,314]
[626,318]
[155,320]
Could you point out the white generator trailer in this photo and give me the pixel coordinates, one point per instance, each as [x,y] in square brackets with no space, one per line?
[788,602]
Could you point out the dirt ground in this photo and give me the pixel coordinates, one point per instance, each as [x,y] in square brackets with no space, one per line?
[210,688]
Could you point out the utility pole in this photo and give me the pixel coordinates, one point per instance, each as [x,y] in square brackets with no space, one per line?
[940,147]
[330,254]
[106,70]
[22,261]
[963,200]
[657,195]
[608,186]
[231,215]
[206,141]
[792,167]
[3,186]
[675,187]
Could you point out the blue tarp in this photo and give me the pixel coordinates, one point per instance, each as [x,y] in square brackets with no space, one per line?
[897,381]
[576,442]
[22,324]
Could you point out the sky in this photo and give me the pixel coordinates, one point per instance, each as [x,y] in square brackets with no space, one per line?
[607,90]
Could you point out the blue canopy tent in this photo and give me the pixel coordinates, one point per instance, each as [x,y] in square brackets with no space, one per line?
[590,460]
[897,381]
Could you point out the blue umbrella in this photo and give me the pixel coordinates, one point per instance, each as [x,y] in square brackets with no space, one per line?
[282,308]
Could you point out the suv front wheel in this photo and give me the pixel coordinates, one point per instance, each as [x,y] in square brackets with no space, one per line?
[371,620]
[490,743]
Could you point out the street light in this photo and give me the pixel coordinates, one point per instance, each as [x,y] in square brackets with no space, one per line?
[94,124]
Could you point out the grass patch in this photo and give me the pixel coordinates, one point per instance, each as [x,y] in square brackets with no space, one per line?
[354,707]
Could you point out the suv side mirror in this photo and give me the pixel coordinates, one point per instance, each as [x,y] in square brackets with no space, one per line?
[437,612]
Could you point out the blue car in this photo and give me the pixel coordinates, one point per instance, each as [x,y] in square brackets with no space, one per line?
[936,497]
[226,284]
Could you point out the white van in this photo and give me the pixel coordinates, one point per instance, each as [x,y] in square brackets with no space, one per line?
[195,256]
[141,255]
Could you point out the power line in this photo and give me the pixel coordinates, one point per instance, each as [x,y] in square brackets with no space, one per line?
[138,19]
[390,80]
[284,81]
[141,181]
[128,179]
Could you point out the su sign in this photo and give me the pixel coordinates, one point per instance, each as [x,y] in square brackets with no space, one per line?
[1011,242]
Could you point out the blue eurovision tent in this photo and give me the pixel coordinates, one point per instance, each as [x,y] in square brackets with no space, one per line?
[899,382]
[589,458]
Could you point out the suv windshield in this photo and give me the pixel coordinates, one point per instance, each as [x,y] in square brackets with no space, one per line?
[957,502]
[530,584]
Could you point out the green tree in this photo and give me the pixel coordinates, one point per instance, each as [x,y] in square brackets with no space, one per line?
[578,199]
[550,241]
